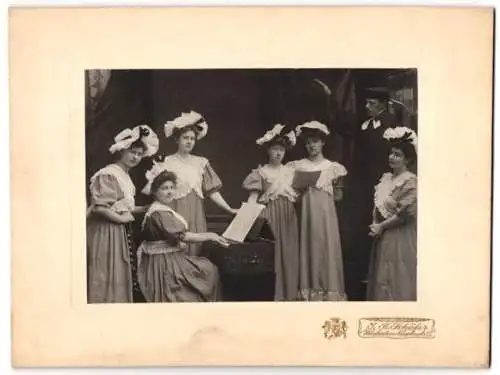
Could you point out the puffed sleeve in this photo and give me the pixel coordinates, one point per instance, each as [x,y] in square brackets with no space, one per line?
[166,226]
[338,171]
[406,202]
[253,182]
[105,191]
[211,183]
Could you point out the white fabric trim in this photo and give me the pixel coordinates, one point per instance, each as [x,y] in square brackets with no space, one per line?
[157,206]
[124,182]
[189,173]
[376,124]
[281,183]
[384,189]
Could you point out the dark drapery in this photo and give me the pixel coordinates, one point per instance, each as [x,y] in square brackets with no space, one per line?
[124,103]
[239,106]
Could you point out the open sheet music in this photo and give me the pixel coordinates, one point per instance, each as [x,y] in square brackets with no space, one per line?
[305,179]
[243,221]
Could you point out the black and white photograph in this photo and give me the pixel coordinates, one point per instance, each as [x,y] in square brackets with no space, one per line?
[220,185]
[251,186]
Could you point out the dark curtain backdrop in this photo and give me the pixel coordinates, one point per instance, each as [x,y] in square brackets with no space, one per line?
[125,102]
[239,106]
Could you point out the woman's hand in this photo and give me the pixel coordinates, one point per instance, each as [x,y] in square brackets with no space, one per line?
[140,209]
[233,211]
[219,201]
[214,237]
[127,217]
[113,216]
[253,197]
[338,194]
[376,229]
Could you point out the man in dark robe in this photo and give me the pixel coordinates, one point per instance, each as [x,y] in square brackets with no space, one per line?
[368,162]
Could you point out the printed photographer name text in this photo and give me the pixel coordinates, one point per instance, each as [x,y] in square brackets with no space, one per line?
[396,328]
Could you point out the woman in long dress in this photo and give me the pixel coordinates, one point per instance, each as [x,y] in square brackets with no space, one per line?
[166,272]
[393,266]
[109,237]
[271,185]
[321,268]
[196,179]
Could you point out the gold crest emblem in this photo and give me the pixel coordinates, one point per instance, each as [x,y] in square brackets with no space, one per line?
[334,328]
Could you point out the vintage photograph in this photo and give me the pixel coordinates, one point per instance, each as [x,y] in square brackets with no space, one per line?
[261,160]
[223,185]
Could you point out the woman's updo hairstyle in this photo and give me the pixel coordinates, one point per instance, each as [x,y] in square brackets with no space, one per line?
[161,179]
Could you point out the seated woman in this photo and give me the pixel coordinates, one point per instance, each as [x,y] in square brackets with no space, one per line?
[166,273]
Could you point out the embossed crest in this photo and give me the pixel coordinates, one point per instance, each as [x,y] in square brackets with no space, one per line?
[334,328]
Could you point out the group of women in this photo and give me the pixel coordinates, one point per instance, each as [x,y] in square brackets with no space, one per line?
[299,199]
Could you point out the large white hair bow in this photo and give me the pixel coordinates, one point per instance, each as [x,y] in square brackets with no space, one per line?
[187,119]
[312,125]
[151,174]
[276,132]
[126,137]
[401,133]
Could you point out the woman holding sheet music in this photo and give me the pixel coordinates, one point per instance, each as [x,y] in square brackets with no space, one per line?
[195,176]
[319,182]
[271,185]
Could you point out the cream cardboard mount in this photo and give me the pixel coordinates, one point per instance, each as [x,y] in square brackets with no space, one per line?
[50,48]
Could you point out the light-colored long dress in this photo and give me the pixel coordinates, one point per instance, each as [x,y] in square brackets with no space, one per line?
[195,180]
[393,265]
[321,268]
[276,192]
[166,273]
[109,274]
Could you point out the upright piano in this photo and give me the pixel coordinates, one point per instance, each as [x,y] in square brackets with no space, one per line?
[246,269]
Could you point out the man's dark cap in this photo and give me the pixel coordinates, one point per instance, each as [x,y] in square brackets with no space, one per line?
[379,93]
